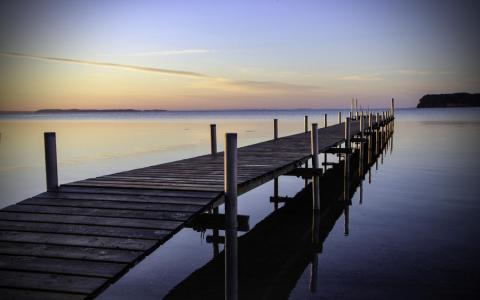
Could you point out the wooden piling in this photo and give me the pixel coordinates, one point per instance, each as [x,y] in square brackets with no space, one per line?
[51,160]
[275,129]
[393,107]
[230,181]
[315,165]
[325,121]
[339,117]
[347,133]
[213,139]
[305,123]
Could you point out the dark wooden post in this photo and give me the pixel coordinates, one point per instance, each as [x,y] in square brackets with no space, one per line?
[231,255]
[275,129]
[213,139]
[315,164]
[305,123]
[51,161]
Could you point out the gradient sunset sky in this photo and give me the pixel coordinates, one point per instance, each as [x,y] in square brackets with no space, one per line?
[234,54]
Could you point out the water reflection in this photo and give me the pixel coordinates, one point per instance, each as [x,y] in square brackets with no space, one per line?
[277,251]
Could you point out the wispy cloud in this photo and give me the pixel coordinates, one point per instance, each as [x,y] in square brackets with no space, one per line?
[251,84]
[276,85]
[361,77]
[107,64]
[170,52]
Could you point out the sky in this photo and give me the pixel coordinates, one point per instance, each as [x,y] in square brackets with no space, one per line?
[188,55]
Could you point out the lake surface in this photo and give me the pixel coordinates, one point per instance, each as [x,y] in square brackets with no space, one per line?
[414,235]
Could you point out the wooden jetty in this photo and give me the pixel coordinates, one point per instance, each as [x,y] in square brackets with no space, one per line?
[74,240]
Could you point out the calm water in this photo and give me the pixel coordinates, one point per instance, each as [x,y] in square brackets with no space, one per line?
[415,234]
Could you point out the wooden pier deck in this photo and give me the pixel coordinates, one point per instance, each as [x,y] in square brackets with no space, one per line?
[76,241]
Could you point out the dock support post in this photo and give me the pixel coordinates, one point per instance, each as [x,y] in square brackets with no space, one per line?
[305,123]
[325,120]
[339,117]
[393,107]
[213,139]
[51,161]
[346,166]
[316,179]
[347,133]
[275,129]
[230,181]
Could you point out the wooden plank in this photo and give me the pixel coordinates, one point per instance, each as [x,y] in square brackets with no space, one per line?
[97,203]
[71,252]
[139,186]
[50,282]
[100,212]
[60,266]
[16,294]
[84,220]
[120,232]
[129,198]
[76,240]
[138,192]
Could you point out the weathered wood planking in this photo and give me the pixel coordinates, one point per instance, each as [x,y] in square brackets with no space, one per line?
[73,243]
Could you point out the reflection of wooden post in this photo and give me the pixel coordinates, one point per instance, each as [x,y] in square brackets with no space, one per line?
[305,123]
[51,160]
[275,192]
[345,220]
[313,273]
[275,129]
[213,138]
[216,236]
[361,191]
[316,179]
[231,255]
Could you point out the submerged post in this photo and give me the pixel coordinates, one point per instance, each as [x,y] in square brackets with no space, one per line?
[316,180]
[51,160]
[305,123]
[230,182]
[213,139]
[275,129]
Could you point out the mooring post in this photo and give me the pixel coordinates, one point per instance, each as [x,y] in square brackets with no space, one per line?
[347,133]
[230,182]
[339,117]
[325,121]
[305,123]
[361,125]
[275,129]
[393,107]
[316,179]
[51,160]
[213,139]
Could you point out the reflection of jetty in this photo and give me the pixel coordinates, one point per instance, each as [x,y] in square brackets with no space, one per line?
[275,253]
[75,239]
